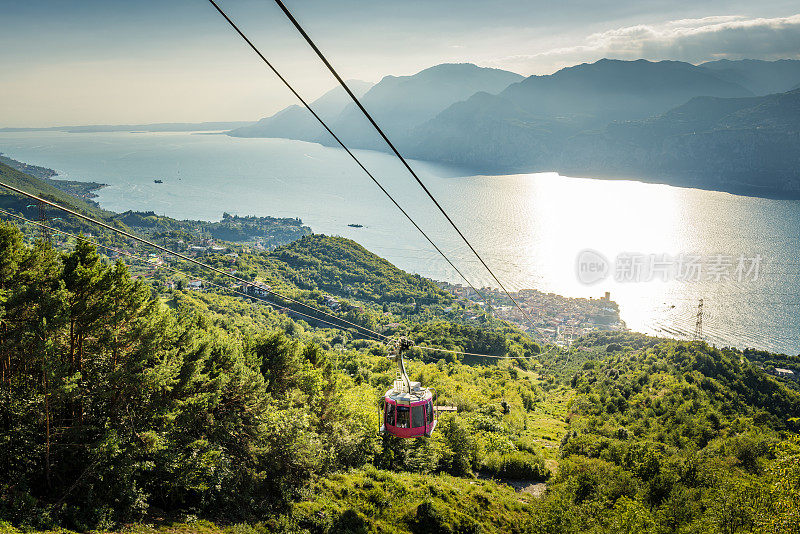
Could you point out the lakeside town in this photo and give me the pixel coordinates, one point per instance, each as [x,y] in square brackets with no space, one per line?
[560,319]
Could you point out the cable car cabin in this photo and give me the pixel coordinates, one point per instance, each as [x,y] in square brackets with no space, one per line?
[408,414]
[407,407]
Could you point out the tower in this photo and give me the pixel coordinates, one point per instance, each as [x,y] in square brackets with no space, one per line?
[698,325]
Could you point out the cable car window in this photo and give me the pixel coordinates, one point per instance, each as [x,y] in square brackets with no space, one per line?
[390,414]
[402,417]
[429,410]
[417,416]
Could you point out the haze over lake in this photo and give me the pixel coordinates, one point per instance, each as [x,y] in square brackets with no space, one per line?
[529,227]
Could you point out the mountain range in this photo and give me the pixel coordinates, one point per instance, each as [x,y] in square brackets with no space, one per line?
[157,127]
[398,104]
[748,146]
[580,120]
[760,77]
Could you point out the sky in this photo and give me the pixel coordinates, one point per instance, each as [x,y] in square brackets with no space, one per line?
[131,62]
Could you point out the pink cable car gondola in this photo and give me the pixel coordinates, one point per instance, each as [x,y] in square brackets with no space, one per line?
[407,407]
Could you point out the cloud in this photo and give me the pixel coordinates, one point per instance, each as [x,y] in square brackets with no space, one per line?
[692,40]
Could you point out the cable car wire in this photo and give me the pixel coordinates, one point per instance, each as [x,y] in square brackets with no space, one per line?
[394,149]
[173,269]
[371,333]
[451,351]
[341,143]
[182,256]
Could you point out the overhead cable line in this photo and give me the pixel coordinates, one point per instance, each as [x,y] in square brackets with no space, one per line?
[206,266]
[341,143]
[451,351]
[173,269]
[170,268]
[182,256]
[225,288]
[394,149]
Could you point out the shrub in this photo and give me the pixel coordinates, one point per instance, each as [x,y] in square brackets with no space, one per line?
[519,465]
[436,519]
[527,443]
[351,522]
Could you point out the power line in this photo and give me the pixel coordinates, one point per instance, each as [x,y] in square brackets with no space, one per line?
[247,295]
[393,148]
[451,351]
[173,269]
[341,143]
[181,256]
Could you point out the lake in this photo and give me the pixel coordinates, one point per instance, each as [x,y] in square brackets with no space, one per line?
[657,249]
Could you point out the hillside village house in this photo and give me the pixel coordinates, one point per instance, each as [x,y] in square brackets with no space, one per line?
[784,373]
[256,289]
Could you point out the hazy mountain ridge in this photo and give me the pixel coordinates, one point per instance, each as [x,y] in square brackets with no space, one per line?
[487,133]
[152,127]
[601,119]
[530,121]
[596,93]
[296,122]
[400,103]
[746,145]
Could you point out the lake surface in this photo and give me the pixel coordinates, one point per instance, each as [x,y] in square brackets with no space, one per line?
[530,228]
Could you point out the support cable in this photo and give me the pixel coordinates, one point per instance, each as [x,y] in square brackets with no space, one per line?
[173,269]
[270,303]
[395,151]
[341,143]
[183,257]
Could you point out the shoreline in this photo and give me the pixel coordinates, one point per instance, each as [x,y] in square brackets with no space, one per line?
[736,189]
[76,188]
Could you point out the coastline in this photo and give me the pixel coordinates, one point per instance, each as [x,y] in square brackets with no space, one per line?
[687,182]
[82,190]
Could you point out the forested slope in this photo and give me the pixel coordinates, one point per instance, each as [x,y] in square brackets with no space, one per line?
[121,403]
[345,267]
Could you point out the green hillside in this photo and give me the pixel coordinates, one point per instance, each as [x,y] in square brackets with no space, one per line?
[124,403]
[342,266]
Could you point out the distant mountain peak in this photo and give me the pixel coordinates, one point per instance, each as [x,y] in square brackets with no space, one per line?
[459,67]
[295,122]
[631,64]
[449,69]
